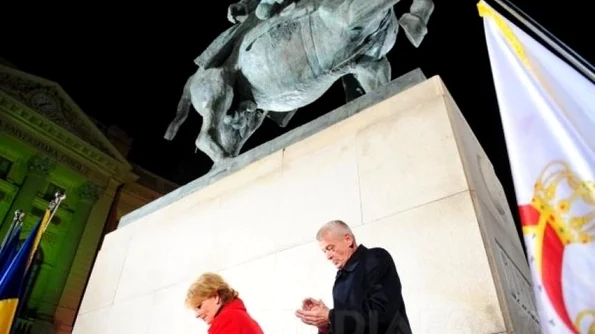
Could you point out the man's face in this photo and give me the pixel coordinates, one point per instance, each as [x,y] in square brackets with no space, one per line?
[337,247]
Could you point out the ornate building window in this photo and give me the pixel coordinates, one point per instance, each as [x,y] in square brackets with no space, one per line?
[51,190]
[5,166]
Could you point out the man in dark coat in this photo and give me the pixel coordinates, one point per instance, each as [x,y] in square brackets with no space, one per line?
[367,295]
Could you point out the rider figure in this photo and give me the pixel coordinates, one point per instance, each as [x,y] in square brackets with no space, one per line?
[414,23]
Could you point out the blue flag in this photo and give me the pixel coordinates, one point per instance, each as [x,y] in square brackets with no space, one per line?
[13,277]
[9,250]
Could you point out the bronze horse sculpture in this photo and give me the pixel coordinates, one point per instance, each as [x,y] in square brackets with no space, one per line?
[284,55]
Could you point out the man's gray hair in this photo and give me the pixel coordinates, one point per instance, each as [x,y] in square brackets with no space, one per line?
[335,226]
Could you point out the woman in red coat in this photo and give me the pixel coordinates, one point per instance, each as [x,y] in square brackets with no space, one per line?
[217,304]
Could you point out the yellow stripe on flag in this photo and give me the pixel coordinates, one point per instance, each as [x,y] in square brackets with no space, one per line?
[44,223]
[533,67]
[486,11]
[8,308]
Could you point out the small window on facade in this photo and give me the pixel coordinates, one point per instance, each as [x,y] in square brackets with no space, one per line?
[5,166]
[50,193]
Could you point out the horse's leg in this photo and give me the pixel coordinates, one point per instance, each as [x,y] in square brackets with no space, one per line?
[281,118]
[181,114]
[351,87]
[235,137]
[415,22]
[254,120]
[365,77]
[237,128]
[422,9]
[205,142]
[212,95]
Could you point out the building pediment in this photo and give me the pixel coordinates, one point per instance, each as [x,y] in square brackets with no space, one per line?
[49,100]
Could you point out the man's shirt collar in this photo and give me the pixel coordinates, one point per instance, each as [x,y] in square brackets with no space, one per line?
[355,258]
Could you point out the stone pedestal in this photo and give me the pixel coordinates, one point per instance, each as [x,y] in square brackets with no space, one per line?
[400,165]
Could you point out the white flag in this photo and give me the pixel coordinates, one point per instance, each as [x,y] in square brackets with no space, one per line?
[548,115]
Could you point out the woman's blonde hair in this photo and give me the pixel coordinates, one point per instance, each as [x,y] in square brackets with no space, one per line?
[209,285]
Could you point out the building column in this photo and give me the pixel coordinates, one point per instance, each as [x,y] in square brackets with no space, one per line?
[88,194]
[39,168]
[84,259]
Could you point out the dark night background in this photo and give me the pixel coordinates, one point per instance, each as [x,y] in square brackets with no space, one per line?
[126,64]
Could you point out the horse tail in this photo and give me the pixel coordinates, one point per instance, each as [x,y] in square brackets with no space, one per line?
[181,114]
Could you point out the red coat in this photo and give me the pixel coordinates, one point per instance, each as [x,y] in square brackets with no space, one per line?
[234,319]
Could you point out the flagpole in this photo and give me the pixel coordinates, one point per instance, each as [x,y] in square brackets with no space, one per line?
[18,219]
[562,49]
[55,203]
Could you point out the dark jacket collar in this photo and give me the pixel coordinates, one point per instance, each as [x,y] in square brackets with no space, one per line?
[355,258]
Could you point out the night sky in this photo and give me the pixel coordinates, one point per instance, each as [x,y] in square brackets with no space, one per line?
[126,64]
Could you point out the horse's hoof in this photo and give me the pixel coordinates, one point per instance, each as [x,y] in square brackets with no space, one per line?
[220,166]
[263,11]
[247,106]
[415,29]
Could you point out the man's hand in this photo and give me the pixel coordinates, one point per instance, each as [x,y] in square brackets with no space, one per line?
[309,303]
[314,313]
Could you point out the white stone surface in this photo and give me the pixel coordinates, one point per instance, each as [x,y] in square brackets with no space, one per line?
[407,174]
